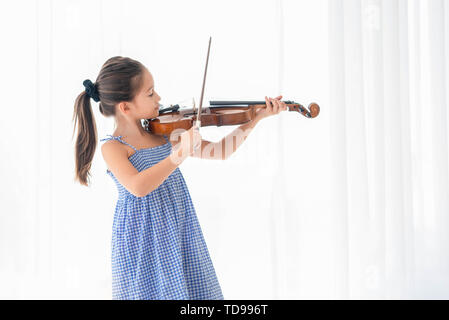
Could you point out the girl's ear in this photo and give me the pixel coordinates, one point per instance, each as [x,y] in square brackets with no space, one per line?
[123,107]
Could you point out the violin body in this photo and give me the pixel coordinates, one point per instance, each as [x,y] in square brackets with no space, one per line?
[219,113]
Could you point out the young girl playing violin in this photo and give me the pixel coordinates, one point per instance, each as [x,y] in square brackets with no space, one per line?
[158,249]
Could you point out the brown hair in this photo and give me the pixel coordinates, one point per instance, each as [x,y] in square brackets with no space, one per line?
[119,80]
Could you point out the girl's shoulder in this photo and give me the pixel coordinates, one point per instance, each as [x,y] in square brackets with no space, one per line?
[113,147]
[118,144]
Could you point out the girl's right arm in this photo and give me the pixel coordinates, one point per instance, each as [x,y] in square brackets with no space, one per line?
[142,183]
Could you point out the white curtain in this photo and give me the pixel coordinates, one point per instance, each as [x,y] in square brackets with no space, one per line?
[388,92]
[350,205]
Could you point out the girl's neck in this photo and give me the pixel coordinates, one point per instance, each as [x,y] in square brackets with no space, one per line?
[128,128]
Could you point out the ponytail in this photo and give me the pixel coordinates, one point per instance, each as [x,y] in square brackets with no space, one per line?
[86,141]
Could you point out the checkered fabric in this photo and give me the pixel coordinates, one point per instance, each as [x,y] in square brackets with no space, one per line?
[158,248]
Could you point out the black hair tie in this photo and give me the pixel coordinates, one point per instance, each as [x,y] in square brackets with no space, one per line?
[91,90]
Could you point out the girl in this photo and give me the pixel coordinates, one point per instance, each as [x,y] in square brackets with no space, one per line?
[158,249]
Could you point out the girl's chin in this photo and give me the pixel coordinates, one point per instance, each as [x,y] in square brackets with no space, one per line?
[153,115]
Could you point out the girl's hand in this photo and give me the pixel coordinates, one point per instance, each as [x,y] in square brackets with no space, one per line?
[273,106]
[190,142]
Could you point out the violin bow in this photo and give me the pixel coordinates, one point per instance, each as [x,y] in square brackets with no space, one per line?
[198,117]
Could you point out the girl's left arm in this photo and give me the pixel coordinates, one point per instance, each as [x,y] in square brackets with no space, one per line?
[225,147]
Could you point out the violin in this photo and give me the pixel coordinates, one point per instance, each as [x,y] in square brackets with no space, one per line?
[219,113]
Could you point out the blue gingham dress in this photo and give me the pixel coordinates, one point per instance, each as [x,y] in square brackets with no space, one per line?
[158,248]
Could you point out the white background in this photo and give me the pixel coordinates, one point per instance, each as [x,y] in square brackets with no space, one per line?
[352,204]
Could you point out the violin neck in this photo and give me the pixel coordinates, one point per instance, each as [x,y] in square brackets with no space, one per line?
[243,103]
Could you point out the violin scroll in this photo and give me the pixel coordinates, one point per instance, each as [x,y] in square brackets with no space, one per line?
[311,112]
[314,109]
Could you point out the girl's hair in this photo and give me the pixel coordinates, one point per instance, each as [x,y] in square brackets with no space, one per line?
[119,80]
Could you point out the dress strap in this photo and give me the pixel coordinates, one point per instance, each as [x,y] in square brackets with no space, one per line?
[118,138]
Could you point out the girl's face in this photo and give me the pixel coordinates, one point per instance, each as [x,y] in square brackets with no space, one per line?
[146,101]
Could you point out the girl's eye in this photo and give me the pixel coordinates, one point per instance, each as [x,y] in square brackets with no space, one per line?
[151,94]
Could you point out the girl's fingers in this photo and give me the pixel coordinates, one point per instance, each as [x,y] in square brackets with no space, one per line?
[268,103]
[275,106]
